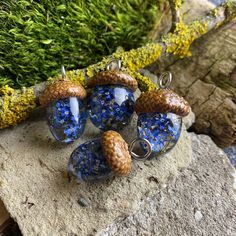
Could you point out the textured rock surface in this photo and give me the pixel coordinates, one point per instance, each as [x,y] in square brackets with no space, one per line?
[201,201]
[189,120]
[231,153]
[36,191]
[4,215]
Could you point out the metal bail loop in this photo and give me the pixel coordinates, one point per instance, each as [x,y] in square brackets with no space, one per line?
[165,80]
[63,72]
[137,156]
[114,64]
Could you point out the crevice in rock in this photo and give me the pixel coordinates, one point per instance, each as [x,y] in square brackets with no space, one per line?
[44,165]
[207,100]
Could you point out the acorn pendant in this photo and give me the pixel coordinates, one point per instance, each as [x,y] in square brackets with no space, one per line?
[100,158]
[160,115]
[111,103]
[66,111]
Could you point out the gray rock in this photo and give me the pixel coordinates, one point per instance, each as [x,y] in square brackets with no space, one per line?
[231,153]
[36,191]
[217,2]
[198,215]
[201,201]
[189,119]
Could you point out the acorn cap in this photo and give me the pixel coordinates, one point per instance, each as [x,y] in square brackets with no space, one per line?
[113,77]
[163,101]
[116,152]
[60,89]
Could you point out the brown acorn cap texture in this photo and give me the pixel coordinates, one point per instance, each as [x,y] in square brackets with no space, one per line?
[116,152]
[113,77]
[163,101]
[62,88]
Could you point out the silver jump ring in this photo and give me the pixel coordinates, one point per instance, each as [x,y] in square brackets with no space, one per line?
[165,79]
[63,72]
[140,157]
[114,64]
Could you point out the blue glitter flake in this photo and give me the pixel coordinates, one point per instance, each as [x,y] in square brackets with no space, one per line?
[87,162]
[111,106]
[161,130]
[67,118]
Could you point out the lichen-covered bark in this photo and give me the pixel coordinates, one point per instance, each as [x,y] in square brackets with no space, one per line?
[175,13]
[207,80]
[176,43]
[16,105]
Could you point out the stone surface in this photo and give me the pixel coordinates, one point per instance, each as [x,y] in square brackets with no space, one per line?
[36,191]
[198,215]
[4,215]
[201,201]
[216,2]
[38,194]
[189,120]
[231,153]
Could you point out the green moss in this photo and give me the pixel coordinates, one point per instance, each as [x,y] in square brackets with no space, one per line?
[36,37]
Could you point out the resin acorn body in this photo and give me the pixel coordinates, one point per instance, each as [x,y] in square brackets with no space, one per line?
[66,111]
[100,158]
[160,118]
[111,103]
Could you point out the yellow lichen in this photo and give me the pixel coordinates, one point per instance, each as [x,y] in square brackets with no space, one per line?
[178,4]
[15,105]
[131,61]
[214,12]
[144,83]
[181,39]
[94,69]
[77,76]
[140,57]
[74,75]
[230,10]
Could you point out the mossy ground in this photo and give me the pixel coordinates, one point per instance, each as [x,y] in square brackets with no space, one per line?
[37,37]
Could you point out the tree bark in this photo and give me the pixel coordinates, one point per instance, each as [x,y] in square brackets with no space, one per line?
[208,81]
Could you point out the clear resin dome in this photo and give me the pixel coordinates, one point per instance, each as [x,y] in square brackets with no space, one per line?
[67,119]
[111,106]
[161,130]
[87,162]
